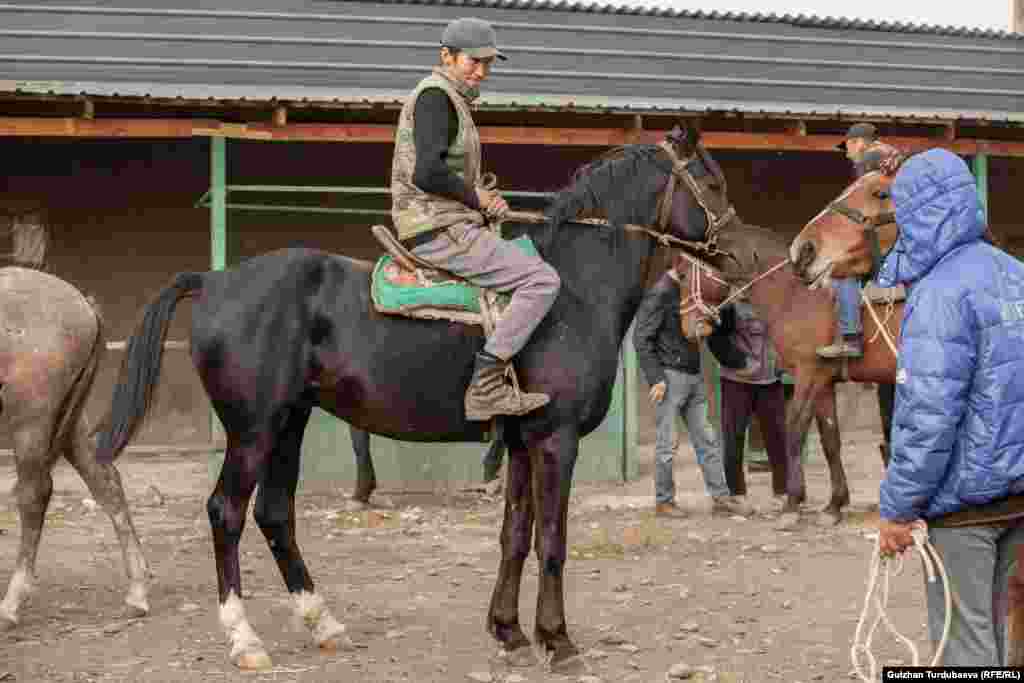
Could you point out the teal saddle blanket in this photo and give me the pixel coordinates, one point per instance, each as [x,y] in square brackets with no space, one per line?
[430,294]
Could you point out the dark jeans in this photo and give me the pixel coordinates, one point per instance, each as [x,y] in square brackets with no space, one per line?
[739,402]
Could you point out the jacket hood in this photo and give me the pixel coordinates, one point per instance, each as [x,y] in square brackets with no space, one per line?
[937,210]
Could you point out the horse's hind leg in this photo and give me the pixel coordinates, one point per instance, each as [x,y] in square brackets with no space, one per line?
[828,429]
[275,515]
[33,463]
[516,533]
[104,482]
[245,461]
[366,478]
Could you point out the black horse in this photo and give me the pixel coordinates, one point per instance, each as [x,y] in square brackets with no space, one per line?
[292,329]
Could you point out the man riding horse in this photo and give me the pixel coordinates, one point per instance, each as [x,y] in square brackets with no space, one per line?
[865,151]
[440,211]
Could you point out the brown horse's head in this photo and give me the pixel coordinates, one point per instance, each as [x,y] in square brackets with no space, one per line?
[841,240]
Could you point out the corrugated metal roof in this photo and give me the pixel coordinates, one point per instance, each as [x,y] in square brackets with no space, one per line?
[614,59]
[812,20]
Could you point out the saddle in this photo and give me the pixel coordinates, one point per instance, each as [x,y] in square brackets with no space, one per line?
[406,285]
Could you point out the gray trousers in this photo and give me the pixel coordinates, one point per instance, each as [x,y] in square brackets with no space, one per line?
[484,259]
[979,561]
[685,397]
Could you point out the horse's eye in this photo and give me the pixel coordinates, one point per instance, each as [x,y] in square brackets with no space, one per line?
[882,194]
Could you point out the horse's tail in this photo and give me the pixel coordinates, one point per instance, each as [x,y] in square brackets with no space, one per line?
[140,369]
[74,400]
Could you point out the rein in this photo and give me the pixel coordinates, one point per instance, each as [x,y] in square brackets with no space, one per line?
[695,301]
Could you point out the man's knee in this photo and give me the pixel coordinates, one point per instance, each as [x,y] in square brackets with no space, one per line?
[546,281]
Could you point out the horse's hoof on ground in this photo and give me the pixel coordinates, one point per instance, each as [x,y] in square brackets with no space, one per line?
[568,663]
[521,657]
[788,521]
[354,505]
[253,660]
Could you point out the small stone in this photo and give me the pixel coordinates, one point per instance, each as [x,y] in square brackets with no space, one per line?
[515,678]
[630,648]
[432,572]
[189,607]
[708,642]
[787,604]
[464,563]
[481,677]
[776,571]
[690,627]
[597,654]
[684,593]
[647,582]
[613,639]
[681,671]
[115,628]
[769,549]
[620,588]
[392,634]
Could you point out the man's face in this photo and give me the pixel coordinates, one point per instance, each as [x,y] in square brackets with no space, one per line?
[855,148]
[465,69]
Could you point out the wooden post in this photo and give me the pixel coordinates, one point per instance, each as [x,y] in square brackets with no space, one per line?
[218,240]
[980,164]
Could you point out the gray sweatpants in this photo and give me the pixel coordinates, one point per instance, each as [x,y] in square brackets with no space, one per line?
[486,260]
[979,561]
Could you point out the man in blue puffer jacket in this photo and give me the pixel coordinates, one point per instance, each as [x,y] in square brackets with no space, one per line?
[958,427]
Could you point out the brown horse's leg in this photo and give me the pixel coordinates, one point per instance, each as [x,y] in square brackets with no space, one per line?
[553,461]
[799,411]
[516,531]
[33,462]
[244,464]
[104,483]
[828,429]
[366,478]
[1015,616]
[275,514]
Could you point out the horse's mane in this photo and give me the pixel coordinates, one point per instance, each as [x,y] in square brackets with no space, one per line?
[618,186]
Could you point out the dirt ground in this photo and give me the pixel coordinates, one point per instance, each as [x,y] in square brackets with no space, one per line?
[731,599]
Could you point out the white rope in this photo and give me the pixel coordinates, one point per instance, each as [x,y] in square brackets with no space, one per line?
[881,325]
[883,568]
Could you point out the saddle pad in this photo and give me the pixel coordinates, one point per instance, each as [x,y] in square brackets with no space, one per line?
[397,290]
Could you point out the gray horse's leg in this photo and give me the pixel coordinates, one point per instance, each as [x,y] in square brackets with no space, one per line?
[33,463]
[104,483]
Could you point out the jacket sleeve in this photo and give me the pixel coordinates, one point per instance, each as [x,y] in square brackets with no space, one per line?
[436,126]
[649,320]
[938,356]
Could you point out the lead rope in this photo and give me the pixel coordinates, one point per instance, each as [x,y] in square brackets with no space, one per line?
[881,325]
[885,568]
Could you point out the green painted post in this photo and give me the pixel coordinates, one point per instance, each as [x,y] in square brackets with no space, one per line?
[980,164]
[218,237]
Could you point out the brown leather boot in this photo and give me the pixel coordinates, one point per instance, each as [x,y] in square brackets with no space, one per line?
[489,394]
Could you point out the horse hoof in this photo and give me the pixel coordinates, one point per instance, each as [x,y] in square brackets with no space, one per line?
[253,660]
[788,521]
[568,663]
[521,657]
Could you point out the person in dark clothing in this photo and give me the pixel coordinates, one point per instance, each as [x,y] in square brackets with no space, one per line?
[755,389]
[440,211]
[671,365]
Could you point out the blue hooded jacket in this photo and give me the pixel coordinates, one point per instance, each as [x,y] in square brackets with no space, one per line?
[958,426]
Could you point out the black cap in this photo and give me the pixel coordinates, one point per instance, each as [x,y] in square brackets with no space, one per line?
[475,37]
[864,131]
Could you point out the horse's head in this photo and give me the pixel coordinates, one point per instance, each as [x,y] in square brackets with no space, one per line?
[849,237]
[695,202]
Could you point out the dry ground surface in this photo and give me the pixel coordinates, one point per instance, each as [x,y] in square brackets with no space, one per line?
[730,599]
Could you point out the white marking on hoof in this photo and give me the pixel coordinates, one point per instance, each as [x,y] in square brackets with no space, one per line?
[328,633]
[353,505]
[247,651]
[18,592]
[8,622]
[138,604]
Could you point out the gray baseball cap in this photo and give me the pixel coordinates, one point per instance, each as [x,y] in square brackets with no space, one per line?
[865,131]
[475,37]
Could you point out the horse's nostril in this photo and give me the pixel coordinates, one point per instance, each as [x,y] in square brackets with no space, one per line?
[807,251]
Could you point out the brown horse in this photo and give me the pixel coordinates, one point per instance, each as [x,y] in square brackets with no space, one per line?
[51,343]
[800,319]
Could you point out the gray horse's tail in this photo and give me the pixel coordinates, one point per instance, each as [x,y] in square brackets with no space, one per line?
[140,369]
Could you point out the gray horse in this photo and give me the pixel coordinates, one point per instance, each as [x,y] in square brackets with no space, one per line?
[51,342]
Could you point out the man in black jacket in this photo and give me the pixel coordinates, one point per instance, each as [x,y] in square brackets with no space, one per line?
[671,365]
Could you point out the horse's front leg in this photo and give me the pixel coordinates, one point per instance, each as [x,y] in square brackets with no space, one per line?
[553,462]
[516,530]
[828,428]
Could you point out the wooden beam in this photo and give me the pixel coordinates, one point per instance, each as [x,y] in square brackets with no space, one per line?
[494,135]
[280,119]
